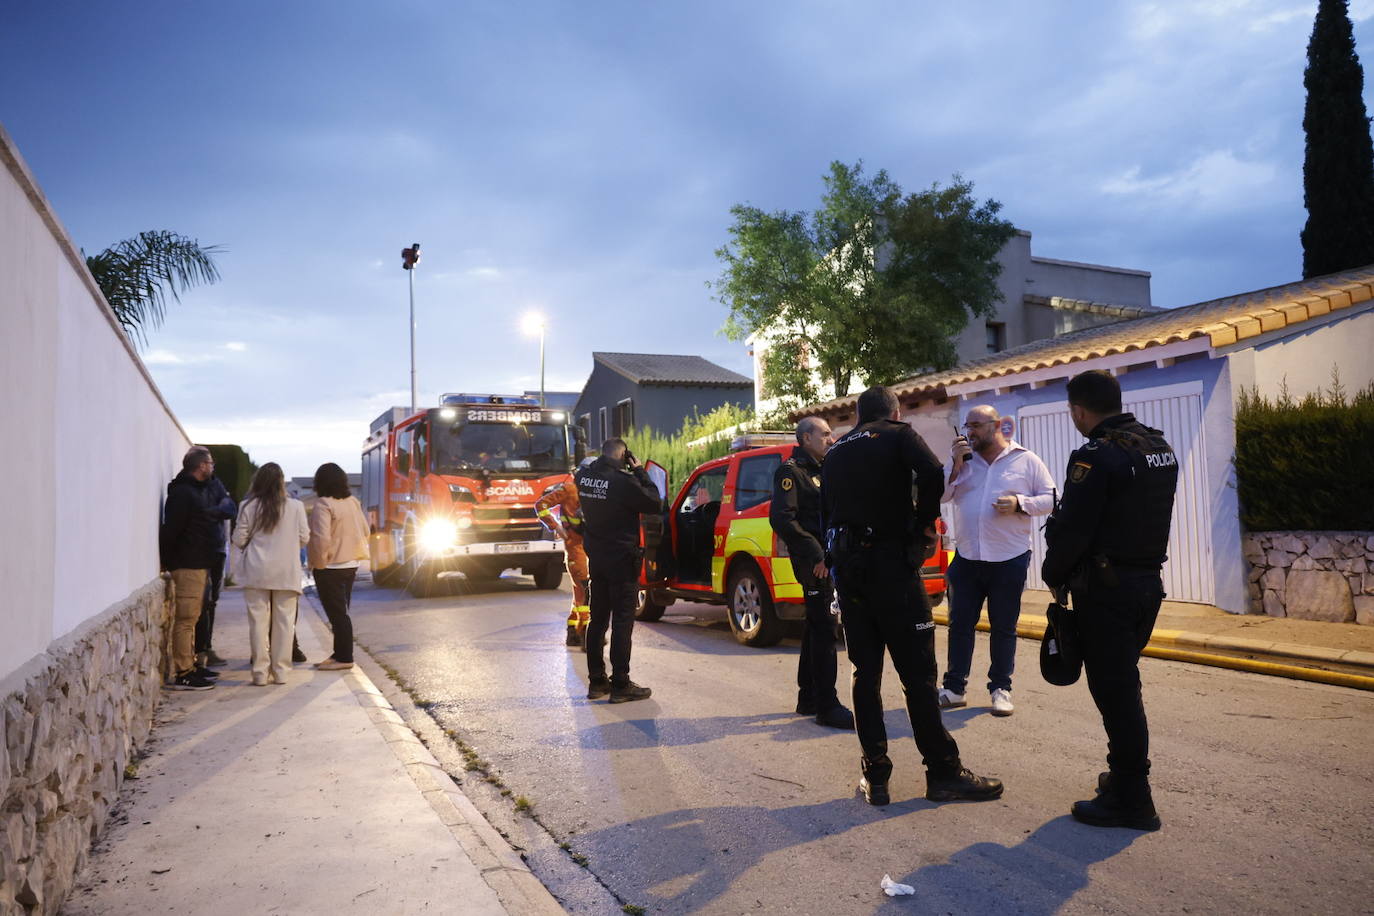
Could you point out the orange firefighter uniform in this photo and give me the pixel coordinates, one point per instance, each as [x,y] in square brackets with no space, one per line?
[560,510]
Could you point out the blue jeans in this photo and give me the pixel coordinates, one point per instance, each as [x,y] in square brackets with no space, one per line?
[970,583]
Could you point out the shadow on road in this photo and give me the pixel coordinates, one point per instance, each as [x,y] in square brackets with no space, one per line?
[1036,877]
[653,731]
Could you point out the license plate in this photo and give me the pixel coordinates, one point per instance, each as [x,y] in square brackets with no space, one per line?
[512,548]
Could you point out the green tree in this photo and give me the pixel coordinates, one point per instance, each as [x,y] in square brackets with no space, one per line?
[873,284]
[137,274]
[1338,171]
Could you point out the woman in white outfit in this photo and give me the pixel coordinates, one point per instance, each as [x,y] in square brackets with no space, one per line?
[270,533]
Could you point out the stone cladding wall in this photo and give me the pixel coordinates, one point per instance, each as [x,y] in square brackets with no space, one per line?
[73,719]
[1312,575]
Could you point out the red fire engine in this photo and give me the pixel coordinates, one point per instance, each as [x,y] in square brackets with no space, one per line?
[452,489]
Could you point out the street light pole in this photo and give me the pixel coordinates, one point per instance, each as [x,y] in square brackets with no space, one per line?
[409,258]
[541,365]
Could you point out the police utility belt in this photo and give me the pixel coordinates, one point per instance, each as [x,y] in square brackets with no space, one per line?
[851,541]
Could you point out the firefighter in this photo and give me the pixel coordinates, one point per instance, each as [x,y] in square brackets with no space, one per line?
[566,523]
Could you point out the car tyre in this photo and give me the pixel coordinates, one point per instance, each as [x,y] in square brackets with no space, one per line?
[646,608]
[749,605]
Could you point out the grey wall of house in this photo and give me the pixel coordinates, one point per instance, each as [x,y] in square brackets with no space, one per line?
[665,407]
[1024,274]
[662,407]
[1089,282]
[1043,321]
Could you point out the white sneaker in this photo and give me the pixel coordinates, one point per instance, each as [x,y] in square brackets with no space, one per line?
[1001,702]
[951,700]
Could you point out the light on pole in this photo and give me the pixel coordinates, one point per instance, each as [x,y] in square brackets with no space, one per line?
[410,257]
[534,323]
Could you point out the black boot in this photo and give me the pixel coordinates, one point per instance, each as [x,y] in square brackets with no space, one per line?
[875,793]
[598,687]
[836,717]
[574,638]
[629,693]
[1118,806]
[962,786]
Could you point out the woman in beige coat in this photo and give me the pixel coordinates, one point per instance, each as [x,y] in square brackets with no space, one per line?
[338,545]
[270,533]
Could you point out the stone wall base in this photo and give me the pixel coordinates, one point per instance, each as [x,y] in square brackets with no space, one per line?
[1312,575]
[73,717]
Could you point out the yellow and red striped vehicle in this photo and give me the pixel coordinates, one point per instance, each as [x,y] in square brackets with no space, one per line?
[717,547]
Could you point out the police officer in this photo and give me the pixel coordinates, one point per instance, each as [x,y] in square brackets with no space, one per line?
[614,491]
[877,540]
[795,515]
[1106,542]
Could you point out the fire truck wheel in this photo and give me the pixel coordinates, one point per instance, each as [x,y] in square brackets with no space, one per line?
[550,576]
[421,578]
[750,607]
[647,609]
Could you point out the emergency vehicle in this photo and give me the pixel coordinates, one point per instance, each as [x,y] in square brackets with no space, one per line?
[717,547]
[452,489]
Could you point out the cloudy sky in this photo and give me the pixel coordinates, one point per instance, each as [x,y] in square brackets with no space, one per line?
[580,159]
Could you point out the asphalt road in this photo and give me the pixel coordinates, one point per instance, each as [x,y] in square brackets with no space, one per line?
[713,797]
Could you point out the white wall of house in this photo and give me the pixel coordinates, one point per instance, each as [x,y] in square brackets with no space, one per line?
[90,443]
[1303,358]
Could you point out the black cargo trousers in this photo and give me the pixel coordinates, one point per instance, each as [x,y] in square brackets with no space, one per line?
[614,594]
[816,663]
[883,606]
[1114,624]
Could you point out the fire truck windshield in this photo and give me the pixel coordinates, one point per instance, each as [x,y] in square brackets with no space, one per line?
[501,447]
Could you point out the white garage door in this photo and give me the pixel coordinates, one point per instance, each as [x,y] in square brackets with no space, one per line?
[1177,411]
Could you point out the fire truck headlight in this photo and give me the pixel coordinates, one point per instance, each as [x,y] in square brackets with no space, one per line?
[558,417]
[438,535]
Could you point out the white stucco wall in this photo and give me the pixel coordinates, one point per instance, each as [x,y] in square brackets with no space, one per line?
[1304,359]
[90,444]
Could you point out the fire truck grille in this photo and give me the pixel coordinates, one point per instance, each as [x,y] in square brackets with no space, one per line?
[488,534]
[500,514]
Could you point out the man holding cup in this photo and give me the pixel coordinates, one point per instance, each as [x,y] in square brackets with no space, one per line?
[996,486]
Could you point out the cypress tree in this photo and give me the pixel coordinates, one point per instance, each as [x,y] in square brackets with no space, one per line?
[1338,171]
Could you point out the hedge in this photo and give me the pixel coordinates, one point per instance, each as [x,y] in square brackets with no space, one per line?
[234,469]
[1306,465]
[672,450]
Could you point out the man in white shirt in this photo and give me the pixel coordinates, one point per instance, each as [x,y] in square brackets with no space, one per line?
[996,486]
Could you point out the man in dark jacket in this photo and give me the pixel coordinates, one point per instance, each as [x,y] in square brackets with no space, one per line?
[1106,543]
[614,491]
[206,657]
[189,542]
[795,515]
[877,541]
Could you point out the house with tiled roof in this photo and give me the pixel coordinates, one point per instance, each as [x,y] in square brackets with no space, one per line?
[1040,297]
[655,390]
[1181,370]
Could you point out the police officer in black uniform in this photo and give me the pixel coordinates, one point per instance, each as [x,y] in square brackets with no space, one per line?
[1106,543]
[614,491]
[795,515]
[877,540]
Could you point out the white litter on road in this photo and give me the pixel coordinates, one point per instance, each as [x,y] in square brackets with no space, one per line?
[893,889]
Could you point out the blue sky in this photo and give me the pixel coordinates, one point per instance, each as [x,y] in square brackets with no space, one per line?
[580,159]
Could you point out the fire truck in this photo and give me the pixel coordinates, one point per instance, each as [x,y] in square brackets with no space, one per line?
[452,489]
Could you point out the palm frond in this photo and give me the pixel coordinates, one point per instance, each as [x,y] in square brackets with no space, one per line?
[138,274]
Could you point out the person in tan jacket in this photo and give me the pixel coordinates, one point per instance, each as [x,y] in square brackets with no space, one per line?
[270,533]
[338,544]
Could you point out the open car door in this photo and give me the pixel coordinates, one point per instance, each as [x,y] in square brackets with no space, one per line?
[655,538]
